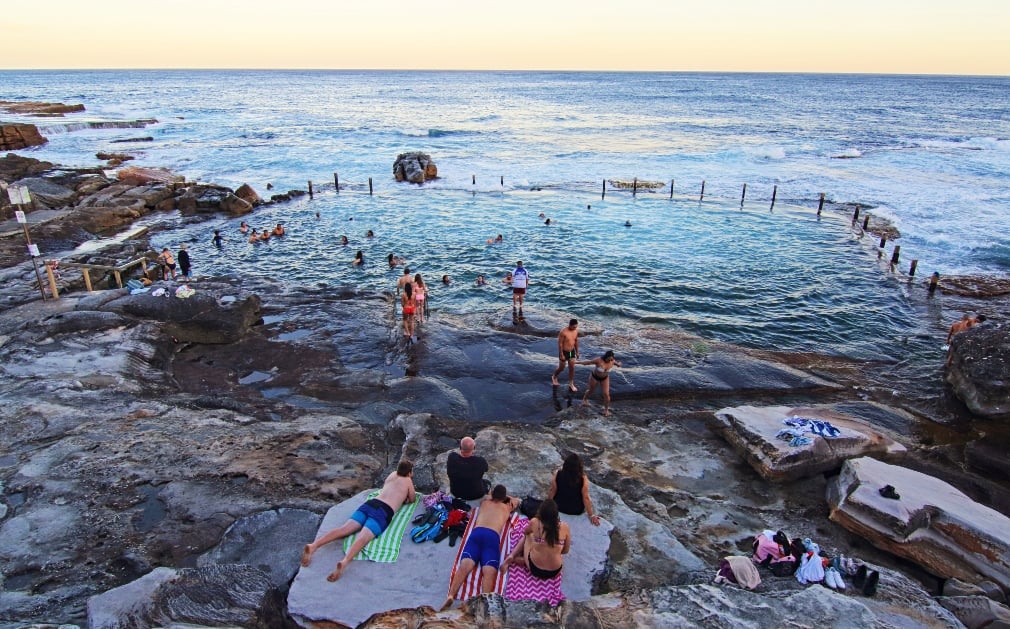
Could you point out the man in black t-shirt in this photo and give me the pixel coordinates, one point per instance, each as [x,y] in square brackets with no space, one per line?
[466,472]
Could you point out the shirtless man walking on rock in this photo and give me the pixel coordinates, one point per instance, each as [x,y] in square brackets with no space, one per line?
[568,352]
[371,518]
[483,546]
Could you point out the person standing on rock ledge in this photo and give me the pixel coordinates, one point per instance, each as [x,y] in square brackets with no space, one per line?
[167,262]
[520,280]
[568,353]
[371,518]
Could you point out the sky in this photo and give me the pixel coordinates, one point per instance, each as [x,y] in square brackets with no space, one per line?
[860,36]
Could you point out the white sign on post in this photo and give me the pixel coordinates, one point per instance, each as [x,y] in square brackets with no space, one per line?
[19,195]
[18,214]
[33,249]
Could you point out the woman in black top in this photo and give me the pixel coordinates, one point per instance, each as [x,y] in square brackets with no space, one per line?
[570,489]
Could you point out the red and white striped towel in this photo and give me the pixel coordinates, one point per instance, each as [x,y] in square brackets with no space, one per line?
[472,585]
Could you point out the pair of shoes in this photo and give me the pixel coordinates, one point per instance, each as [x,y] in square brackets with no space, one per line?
[870,587]
[833,579]
[887,491]
[859,580]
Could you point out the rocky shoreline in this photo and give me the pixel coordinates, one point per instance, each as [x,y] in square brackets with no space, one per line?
[144,434]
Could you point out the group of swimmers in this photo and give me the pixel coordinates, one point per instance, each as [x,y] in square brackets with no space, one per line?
[262,236]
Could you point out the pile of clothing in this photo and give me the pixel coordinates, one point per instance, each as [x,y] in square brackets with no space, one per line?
[444,517]
[802,559]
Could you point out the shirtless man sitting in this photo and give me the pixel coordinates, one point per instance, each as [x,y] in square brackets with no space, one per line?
[568,352]
[371,518]
[483,544]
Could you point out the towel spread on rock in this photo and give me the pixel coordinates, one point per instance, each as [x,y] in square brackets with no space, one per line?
[472,585]
[386,547]
[745,572]
[523,586]
[818,427]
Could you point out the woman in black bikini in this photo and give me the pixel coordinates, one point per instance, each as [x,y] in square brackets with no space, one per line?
[601,376]
[546,539]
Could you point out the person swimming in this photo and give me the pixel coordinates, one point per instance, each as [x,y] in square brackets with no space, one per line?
[480,281]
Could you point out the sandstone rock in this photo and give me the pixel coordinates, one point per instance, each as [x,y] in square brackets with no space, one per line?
[751,431]
[977,612]
[247,194]
[39,108]
[271,541]
[202,318]
[414,167]
[979,369]
[14,137]
[932,524]
[217,595]
[137,175]
[48,193]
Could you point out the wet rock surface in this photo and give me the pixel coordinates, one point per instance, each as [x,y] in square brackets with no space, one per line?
[979,369]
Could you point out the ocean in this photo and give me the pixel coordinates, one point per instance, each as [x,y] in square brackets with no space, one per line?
[931,154]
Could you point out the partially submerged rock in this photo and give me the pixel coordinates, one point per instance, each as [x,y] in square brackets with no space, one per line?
[979,369]
[932,523]
[414,167]
[14,137]
[752,432]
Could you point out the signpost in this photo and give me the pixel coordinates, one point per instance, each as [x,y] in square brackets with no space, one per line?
[19,195]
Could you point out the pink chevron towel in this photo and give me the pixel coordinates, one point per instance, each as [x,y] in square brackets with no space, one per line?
[523,586]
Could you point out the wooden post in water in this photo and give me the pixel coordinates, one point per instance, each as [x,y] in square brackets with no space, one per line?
[855,215]
[503,181]
[52,281]
[603,194]
[474,179]
[336,183]
[369,186]
[894,256]
[310,188]
[743,195]
[671,189]
[634,187]
[866,222]
[933,281]
[820,205]
[911,269]
[883,241]
[702,195]
[775,192]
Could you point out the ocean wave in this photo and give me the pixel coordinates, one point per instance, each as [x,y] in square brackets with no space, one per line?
[849,153]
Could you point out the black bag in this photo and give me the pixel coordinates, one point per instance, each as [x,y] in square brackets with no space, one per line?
[529,506]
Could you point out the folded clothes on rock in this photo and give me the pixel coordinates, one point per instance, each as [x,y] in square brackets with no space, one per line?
[817,426]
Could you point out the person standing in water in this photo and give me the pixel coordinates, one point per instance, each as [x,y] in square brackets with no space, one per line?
[568,353]
[601,376]
[409,309]
[420,297]
[184,263]
[520,280]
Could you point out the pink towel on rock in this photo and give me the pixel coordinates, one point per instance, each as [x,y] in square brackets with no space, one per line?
[523,586]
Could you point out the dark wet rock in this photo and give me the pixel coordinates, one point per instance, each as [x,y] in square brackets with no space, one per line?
[48,193]
[932,523]
[987,458]
[414,167]
[271,541]
[979,369]
[247,194]
[216,595]
[752,432]
[79,321]
[14,137]
[204,317]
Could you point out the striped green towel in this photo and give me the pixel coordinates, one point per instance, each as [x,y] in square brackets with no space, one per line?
[386,547]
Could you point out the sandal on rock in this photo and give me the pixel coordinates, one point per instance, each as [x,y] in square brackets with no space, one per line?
[887,491]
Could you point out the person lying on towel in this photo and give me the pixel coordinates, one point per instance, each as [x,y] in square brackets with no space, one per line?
[371,518]
[483,546]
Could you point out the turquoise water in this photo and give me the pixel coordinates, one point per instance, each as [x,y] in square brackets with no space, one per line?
[781,279]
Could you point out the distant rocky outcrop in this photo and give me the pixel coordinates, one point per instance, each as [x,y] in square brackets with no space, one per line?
[414,167]
[931,523]
[37,108]
[14,137]
[979,369]
[635,184]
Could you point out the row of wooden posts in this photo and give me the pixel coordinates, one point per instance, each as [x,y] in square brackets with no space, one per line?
[701,197]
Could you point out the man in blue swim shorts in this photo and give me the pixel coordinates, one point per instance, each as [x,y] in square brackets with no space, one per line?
[371,518]
[483,546]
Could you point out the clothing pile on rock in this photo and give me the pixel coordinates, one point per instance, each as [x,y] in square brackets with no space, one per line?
[819,427]
[802,559]
[444,517]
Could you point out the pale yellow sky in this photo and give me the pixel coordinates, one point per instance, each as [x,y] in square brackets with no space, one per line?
[873,36]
